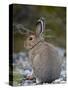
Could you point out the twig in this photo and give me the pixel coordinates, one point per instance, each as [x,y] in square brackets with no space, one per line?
[20,29]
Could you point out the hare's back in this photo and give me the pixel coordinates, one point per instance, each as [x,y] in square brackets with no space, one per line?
[50,57]
[46,62]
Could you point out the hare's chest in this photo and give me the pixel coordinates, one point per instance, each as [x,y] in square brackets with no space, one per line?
[39,51]
[32,54]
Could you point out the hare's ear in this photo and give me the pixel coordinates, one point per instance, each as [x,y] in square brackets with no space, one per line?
[40,26]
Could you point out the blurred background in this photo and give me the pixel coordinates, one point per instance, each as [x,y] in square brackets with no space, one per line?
[24,19]
[27,16]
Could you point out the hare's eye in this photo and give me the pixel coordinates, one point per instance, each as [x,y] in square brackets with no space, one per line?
[30,38]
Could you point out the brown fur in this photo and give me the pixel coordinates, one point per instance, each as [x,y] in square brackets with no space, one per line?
[44,59]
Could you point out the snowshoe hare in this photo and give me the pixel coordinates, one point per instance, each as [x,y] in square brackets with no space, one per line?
[43,56]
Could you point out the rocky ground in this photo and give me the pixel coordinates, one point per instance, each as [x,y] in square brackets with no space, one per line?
[23,73]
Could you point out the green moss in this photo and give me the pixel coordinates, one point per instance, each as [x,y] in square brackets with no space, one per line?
[17,78]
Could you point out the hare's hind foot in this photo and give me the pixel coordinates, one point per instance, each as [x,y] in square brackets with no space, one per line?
[38,81]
